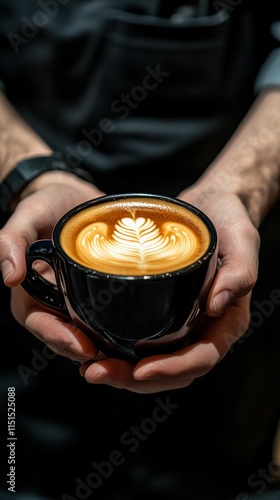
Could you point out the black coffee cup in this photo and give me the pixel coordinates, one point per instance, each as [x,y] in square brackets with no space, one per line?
[130,310]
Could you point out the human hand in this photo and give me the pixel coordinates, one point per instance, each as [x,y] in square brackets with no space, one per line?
[179,369]
[238,246]
[216,334]
[46,200]
[227,307]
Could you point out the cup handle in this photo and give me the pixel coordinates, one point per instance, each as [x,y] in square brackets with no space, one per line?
[38,287]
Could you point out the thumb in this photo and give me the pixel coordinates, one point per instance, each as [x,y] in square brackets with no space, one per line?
[18,232]
[237,272]
[12,257]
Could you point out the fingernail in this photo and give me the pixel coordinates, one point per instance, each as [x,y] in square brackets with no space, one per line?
[150,377]
[221,301]
[7,269]
[100,376]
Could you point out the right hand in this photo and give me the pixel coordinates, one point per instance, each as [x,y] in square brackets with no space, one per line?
[44,202]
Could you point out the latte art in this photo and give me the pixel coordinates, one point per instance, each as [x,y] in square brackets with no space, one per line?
[136,239]
[136,245]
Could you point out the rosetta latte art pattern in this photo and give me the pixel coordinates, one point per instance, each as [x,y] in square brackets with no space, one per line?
[137,246]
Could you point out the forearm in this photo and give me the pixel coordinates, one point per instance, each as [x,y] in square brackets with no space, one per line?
[17,140]
[249,165]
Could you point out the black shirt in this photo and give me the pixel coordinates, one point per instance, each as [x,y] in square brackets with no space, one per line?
[132,91]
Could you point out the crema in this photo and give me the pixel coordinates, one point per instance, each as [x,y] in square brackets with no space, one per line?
[135,237]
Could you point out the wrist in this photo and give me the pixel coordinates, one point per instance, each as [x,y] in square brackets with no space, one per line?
[249,165]
[51,178]
[256,182]
[20,181]
[18,141]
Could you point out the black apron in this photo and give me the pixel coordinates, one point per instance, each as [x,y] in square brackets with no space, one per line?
[145,94]
[126,92]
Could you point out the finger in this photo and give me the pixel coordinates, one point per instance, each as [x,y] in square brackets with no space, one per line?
[119,374]
[12,259]
[59,333]
[33,218]
[64,338]
[237,274]
[239,243]
[216,337]
[22,228]
[177,370]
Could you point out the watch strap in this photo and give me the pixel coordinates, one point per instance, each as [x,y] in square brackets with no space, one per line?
[27,170]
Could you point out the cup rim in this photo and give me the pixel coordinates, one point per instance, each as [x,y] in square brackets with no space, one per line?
[157,276]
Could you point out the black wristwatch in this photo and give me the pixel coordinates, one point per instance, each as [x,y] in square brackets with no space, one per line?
[27,170]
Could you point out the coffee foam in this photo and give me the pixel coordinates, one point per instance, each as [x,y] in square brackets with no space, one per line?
[137,237]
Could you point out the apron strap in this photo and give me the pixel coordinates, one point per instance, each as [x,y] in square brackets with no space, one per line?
[185,8]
